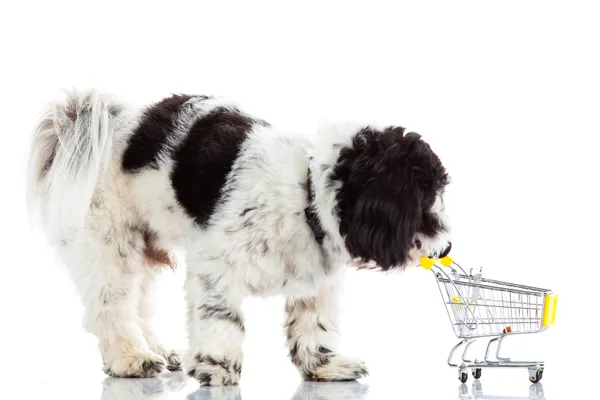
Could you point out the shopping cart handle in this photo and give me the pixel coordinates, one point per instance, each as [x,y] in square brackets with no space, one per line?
[427,262]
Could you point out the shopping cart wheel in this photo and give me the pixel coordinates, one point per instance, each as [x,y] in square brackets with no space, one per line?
[535,375]
[463,376]
[477,373]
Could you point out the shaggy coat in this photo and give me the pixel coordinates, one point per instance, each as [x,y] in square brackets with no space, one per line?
[255,211]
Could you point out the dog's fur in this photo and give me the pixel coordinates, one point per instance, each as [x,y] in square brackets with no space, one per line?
[256,211]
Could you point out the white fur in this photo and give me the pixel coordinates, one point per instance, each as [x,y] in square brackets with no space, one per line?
[82,150]
[86,205]
[91,208]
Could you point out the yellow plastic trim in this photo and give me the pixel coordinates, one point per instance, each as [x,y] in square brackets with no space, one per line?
[457,300]
[426,263]
[446,261]
[549,309]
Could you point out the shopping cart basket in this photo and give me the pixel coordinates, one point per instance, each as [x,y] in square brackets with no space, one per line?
[485,308]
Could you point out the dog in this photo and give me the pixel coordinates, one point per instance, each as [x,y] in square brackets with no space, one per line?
[124,192]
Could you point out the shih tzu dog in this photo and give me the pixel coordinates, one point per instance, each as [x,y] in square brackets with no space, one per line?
[123,193]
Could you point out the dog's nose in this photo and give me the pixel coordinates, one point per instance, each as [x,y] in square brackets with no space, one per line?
[446,250]
[443,253]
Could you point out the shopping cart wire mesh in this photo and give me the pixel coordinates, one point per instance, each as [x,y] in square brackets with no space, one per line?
[480,307]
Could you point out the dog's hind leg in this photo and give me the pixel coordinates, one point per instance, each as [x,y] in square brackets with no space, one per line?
[148,313]
[108,271]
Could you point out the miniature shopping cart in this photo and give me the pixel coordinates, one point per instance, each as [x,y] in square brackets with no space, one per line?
[485,308]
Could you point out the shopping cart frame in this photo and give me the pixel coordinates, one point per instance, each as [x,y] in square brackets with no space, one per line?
[469,326]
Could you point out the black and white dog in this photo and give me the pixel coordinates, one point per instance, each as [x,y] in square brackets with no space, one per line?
[254,210]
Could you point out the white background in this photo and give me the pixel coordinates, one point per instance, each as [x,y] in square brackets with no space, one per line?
[507,93]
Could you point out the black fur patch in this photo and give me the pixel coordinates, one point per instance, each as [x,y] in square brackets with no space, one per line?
[314,361]
[150,137]
[223,363]
[174,362]
[316,376]
[205,159]
[294,353]
[151,367]
[247,210]
[208,281]
[232,370]
[148,369]
[312,217]
[290,323]
[418,244]
[223,313]
[389,183]
[204,378]
[237,367]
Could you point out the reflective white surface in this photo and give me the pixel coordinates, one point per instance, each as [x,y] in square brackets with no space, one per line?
[176,386]
[507,94]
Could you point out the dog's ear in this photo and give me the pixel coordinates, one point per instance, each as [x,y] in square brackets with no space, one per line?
[384,223]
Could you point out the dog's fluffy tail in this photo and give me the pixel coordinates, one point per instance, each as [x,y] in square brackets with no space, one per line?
[71,149]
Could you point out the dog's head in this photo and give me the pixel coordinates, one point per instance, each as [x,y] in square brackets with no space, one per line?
[390,188]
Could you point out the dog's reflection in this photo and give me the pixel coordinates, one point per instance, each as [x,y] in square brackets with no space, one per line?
[331,391]
[160,388]
[216,393]
[174,386]
[165,387]
[305,391]
[536,392]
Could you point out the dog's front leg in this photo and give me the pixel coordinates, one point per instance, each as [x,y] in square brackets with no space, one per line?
[215,330]
[312,337]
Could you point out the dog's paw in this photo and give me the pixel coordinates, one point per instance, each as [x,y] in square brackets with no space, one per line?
[214,371]
[172,357]
[173,362]
[337,368]
[135,366]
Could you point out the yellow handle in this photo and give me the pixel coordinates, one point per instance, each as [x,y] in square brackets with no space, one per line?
[446,261]
[549,309]
[427,262]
